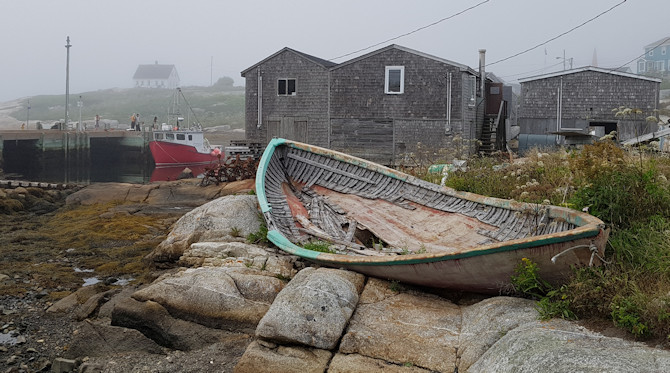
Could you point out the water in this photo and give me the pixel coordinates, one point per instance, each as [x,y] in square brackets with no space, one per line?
[104,163]
[7,338]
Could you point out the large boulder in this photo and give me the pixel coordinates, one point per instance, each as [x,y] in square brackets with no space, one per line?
[181,193]
[224,219]
[101,340]
[405,327]
[267,357]
[217,297]
[240,254]
[485,322]
[80,297]
[561,346]
[313,308]
[108,192]
[156,323]
[354,363]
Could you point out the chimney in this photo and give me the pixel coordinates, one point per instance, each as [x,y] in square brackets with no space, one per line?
[482,72]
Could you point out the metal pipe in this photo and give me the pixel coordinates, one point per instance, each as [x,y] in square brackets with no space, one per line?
[449,102]
[260,99]
[67,85]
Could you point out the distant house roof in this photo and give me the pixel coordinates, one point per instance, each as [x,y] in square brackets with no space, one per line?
[659,42]
[408,50]
[588,68]
[319,61]
[154,71]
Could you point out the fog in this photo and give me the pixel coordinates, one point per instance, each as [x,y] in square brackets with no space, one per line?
[209,39]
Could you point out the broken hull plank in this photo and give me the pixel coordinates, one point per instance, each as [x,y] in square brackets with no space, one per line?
[454,239]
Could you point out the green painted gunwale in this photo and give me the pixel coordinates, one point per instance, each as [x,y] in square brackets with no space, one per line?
[588,225]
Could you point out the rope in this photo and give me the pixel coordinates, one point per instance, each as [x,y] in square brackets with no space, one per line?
[594,253]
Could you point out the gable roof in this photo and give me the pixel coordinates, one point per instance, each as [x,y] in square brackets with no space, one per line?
[658,43]
[319,61]
[154,71]
[408,50]
[588,68]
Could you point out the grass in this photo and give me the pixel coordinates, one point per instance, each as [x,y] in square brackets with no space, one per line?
[320,246]
[629,190]
[216,105]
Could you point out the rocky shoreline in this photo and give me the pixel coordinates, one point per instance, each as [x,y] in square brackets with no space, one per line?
[218,303]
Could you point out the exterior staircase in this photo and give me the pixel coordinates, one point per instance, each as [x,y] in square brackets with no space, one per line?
[493,132]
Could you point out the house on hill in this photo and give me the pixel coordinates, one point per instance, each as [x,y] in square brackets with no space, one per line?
[573,106]
[656,58]
[379,106]
[156,76]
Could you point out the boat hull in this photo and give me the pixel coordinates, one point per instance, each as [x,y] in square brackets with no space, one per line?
[172,154]
[467,242]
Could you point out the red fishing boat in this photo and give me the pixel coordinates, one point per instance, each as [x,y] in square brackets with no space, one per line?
[181,147]
[175,144]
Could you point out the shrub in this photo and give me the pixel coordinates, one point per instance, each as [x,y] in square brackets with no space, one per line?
[320,246]
[527,281]
[626,314]
[556,304]
[260,237]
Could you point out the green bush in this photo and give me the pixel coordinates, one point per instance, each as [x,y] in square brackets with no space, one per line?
[625,195]
[320,246]
[626,314]
[260,237]
[528,282]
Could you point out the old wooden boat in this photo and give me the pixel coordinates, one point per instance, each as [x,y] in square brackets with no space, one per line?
[387,224]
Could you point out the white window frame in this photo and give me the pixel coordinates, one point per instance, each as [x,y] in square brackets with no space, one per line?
[651,53]
[641,65]
[295,86]
[660,65]
[402,80]
[472,99]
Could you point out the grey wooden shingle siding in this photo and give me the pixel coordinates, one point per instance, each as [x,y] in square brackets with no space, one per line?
[346,108]
[357,89]
[310,101]
[418,115]
[588,96]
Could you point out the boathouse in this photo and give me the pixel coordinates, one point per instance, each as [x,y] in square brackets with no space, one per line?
[578,105]
[383,106]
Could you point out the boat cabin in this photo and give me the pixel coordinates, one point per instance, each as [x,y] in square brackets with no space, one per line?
[185,137]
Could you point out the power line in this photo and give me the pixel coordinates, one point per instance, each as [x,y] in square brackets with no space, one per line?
[558,36]
[413,31]
[642,55]
[533,71]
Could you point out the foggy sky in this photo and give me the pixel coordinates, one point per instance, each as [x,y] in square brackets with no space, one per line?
[209,39]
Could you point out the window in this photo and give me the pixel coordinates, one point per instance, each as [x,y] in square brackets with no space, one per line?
[169,136]
[286,87]
[651,53]
[190,137]
[181,136]
[640,67]
[472,96]
[395,80]
[158,136]
[663,50]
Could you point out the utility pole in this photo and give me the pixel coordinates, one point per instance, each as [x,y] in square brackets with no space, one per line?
[28,115]
[67,85]
[80,126]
